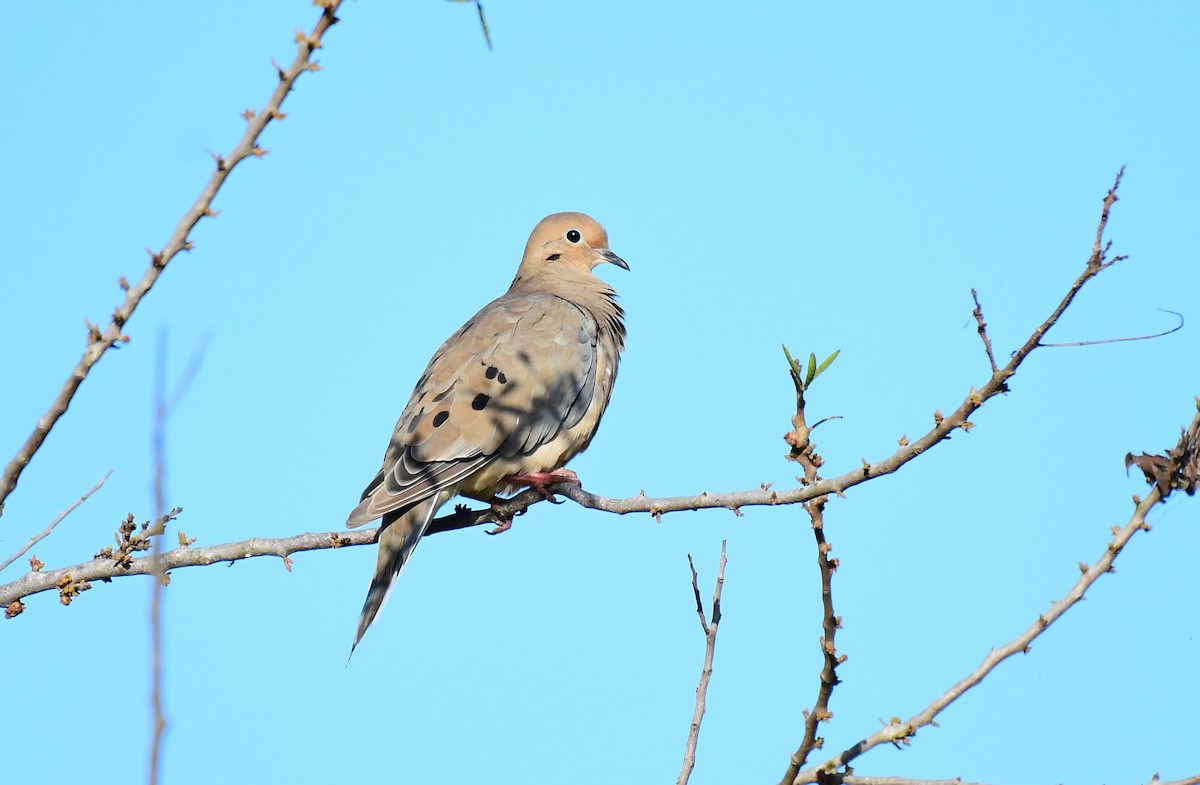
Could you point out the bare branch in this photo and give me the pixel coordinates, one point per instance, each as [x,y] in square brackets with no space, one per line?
[897,731]
[830,623]
[62,515]
[101,341]
[804,452]
[710,647]
[118,563]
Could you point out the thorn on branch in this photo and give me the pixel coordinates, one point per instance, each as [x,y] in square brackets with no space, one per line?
[94,335]
[311,41]
[278,70]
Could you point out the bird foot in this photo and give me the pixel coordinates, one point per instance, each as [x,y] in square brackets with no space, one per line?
[501,526]
[540,480]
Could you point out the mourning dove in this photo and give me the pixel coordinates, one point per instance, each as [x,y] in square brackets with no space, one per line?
[507,400]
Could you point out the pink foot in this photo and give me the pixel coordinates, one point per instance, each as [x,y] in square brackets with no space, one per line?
[539,481]
[502,526]
[542,479]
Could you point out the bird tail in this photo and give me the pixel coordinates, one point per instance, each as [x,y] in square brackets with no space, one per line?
[398,536]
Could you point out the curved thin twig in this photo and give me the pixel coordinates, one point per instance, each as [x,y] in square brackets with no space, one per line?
[1099,341]
[61,516]
[101,341]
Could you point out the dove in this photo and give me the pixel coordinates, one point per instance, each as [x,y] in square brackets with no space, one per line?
[507,400]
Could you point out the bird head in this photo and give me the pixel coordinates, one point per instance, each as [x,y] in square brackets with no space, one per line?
[566,244]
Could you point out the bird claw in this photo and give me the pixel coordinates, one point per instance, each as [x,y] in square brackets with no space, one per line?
[501,527]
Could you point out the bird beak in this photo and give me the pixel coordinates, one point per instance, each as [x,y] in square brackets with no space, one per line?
[612,258]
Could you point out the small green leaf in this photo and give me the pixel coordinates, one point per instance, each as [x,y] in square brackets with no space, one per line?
[828,361]
[793,369]
[792,366]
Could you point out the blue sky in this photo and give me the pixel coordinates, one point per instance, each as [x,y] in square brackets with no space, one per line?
[829,176]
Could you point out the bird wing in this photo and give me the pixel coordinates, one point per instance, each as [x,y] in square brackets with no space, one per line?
[515,375]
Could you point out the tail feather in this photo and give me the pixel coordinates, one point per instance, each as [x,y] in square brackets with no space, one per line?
[398,536]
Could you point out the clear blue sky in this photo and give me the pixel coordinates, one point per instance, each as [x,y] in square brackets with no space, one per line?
[825,175]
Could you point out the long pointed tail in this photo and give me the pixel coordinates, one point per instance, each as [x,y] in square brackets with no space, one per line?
[399,535]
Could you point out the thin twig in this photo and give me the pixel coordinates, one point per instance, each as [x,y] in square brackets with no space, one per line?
[710,647]
[159,723]
[982,327]
[696,592]
[164,405]
[901,732]
[101,341]
[1097,342]
[46,531]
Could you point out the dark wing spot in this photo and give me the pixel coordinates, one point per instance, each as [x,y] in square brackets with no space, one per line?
[440,418]
[502,379]
[491,372]
[554,257]
[480,401]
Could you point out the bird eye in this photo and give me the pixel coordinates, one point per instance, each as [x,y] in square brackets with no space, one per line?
[573,235]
